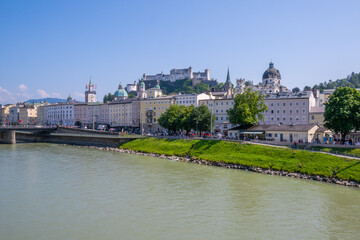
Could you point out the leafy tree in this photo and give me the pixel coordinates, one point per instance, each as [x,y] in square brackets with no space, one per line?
[307,88]
[201,87]
[248,108]
[296,90]
[201,118]
[219,86]
[342,111]
[248,83]
[108,98]
[180,117]
[131,95]
[170,119]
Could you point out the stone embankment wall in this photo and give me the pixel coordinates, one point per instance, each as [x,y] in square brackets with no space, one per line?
[76,140]
[84,131]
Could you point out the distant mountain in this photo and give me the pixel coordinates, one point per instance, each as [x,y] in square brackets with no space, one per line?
[49,100]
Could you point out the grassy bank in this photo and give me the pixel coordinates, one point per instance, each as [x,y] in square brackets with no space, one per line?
[253,155]
[353,152]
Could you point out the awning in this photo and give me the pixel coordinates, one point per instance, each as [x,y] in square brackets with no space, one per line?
[250,132]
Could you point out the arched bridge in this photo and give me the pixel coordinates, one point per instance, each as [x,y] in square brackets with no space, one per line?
[8,133]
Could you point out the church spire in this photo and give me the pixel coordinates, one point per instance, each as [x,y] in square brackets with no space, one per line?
[228,76]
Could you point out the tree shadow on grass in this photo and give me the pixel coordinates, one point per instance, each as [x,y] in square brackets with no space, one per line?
[205,144]
[346,168]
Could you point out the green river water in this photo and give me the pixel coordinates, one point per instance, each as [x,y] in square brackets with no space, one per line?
[50,191]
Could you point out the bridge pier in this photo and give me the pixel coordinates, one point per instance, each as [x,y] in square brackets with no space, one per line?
[8,137]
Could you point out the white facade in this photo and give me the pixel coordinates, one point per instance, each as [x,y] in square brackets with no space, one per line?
[288,108]
[190,99]
[61,114]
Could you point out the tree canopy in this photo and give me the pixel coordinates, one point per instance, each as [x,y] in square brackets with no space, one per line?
[180,117]
[248,108]
[342,111]
[108,97]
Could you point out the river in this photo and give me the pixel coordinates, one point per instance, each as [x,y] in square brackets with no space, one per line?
[50,191]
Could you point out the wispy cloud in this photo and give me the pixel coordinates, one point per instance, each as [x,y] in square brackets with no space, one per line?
[23,87]
[6,96]
[56,95]
[79,96]
[43,93]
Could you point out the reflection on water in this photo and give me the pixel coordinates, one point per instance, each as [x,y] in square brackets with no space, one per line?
[63,192]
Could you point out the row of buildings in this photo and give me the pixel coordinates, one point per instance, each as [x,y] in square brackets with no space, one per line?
[142,112]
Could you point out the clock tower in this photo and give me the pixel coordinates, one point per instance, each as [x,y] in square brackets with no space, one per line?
[90,93]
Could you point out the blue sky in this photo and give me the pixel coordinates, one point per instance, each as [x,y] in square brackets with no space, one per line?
[51,48]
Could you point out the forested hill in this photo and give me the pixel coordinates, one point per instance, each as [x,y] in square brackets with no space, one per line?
[353,80]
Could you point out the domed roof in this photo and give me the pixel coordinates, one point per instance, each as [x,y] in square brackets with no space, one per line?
[142,84]
[157,85]
[120,92]
[271,72]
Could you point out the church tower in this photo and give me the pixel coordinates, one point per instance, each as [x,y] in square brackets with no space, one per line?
[141,93]
[271,79]
[90,93]
[228,86]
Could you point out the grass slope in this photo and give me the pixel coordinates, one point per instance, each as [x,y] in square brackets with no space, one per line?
[347,151]
[253,155]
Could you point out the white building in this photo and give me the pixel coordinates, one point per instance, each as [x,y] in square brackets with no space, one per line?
[59,114]
[179,74]
[190,99]
[271,82]
[289,108]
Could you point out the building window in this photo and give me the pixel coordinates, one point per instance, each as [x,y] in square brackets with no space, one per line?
[278,104]
[272,111]
[284,111]
[290,118]
[297,103]
[312,117]
[303,110]
[290,111]
[278,111]
[304,103]
[271,104]
[278,119]
[284,118]
[275,134]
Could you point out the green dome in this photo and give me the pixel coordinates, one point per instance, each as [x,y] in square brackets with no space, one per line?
[157,85]
[142,84]
[271,72]
[120,92]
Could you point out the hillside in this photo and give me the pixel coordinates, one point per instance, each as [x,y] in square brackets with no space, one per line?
[353,80]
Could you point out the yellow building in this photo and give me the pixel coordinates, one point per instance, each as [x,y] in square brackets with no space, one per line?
[120,114]
[28,115]
[316,115]
[150,111]
[4,114]
[154,92]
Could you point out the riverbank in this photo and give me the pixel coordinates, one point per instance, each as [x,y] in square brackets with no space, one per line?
[249,157]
